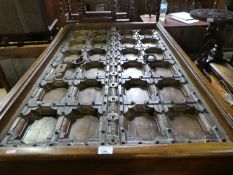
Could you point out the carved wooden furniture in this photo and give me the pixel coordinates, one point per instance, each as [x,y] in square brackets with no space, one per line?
[108,11]
[125,86]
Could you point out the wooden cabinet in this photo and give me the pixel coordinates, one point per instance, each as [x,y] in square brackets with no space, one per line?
[128,87]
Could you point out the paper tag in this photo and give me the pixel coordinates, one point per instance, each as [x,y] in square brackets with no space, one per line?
[10,151]
[210,19]
[105,150]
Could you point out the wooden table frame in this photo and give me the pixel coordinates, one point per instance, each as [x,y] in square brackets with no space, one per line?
[207,158]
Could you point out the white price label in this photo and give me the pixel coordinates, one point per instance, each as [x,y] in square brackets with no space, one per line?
[210,19]
[105,150]
[11,152]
